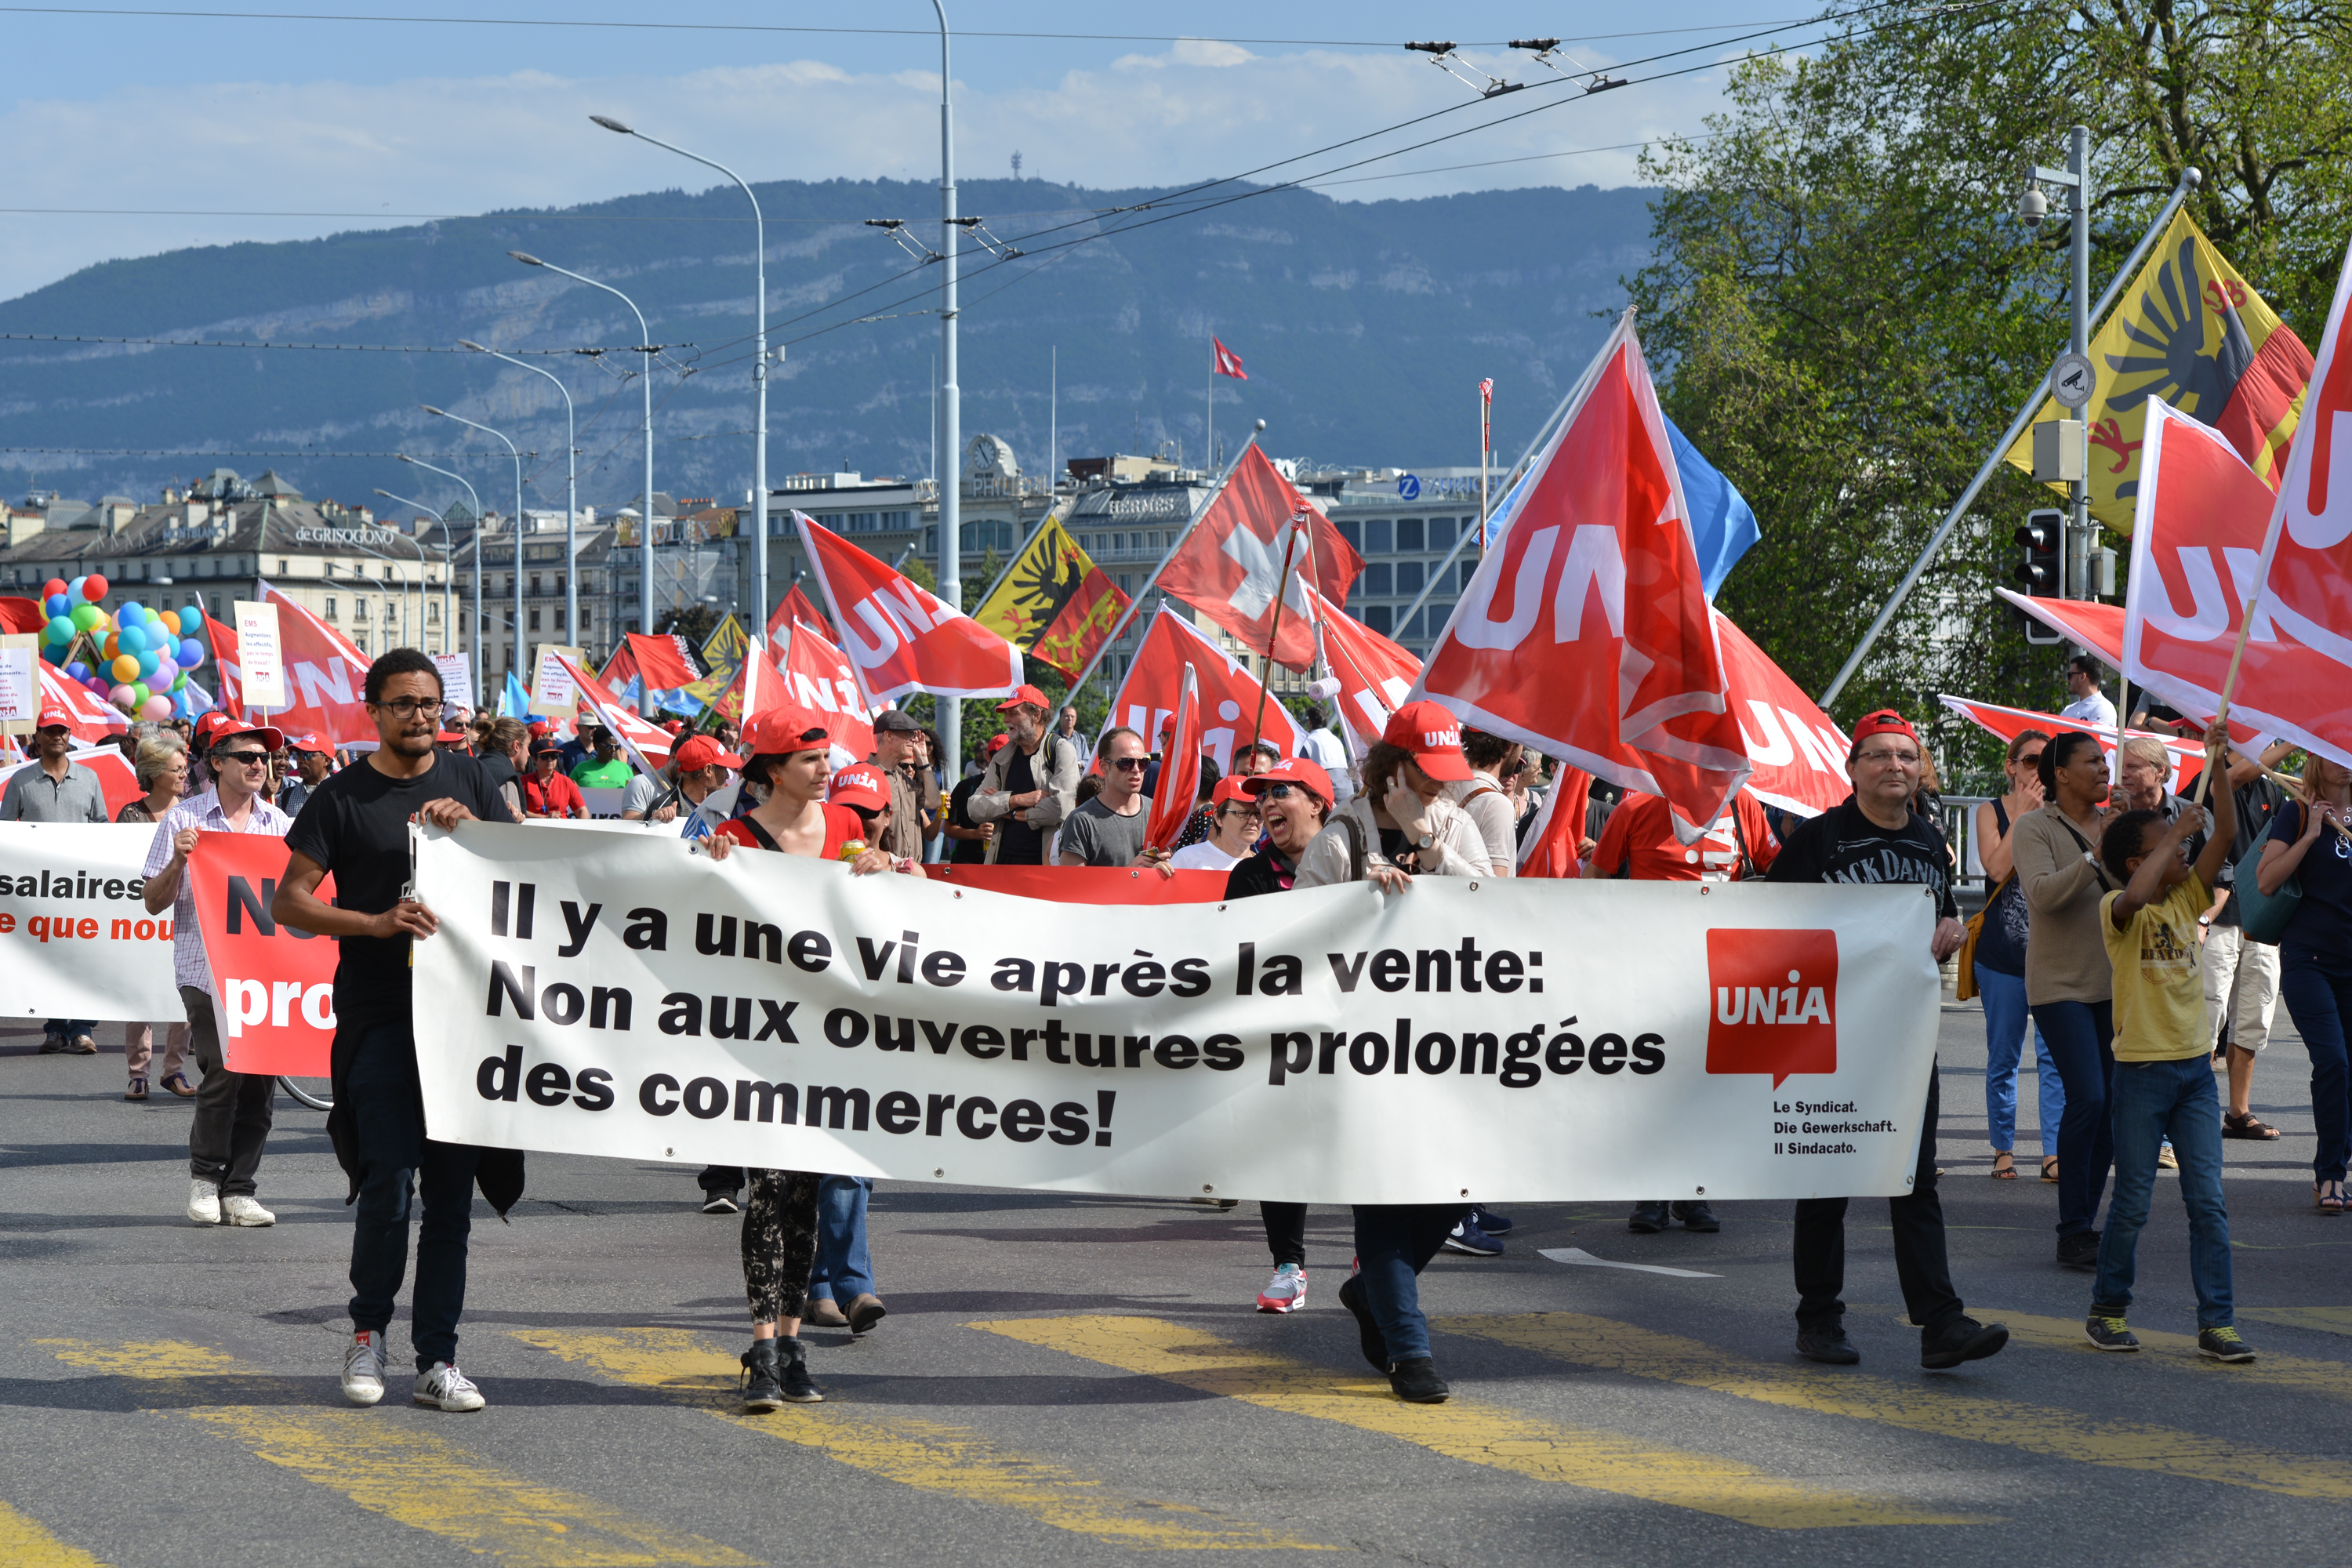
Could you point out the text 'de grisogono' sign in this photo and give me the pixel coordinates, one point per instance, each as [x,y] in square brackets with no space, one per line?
[605,994]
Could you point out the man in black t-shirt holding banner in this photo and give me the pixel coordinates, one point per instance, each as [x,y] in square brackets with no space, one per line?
[355,825]
[1875,837]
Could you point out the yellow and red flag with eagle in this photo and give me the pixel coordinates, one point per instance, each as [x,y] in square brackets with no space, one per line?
[2190,331]
[1055,604]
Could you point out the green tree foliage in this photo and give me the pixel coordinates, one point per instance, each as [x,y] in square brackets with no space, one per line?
[1845,313]
[694,622]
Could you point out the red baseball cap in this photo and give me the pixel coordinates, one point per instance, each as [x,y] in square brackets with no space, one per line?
[860,785]
[1433,735]
[1885,721]
[1290,769]
[998,742]
[308,743]
[445,736]
[1026,694]
[698,752]
[55,717]
[780,731]
[673,725]
[1230,789]
[216,726]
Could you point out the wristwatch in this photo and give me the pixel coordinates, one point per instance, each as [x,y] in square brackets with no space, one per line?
[1425,840]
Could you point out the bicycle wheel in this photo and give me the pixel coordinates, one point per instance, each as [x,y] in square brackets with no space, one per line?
[314,1092]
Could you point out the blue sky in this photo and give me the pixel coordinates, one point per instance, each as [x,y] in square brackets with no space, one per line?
[186,130]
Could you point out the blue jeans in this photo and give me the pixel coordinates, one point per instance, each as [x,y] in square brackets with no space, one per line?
[67,1027]
[2080,1035]
[2003,997]
[1394,1242]
[396,1162]
[2153,1100]
[2318,990]
[844,1268]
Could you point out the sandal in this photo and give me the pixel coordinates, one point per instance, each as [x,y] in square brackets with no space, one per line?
[2328,1197]
[138,1089]
[2004,1165]
[178,1084]
[2050,1169]
[2247,1126]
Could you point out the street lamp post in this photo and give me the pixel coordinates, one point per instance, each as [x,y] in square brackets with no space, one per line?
[571,485]
[759,364]
[448,609]
[645,517]
[474,620]
[950,433]
[515,657]
[390,564]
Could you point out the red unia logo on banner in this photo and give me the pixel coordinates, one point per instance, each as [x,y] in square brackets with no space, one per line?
[1774,1002]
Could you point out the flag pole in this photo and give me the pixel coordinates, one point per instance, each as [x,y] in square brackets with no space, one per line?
[1071,698]
[1273,637]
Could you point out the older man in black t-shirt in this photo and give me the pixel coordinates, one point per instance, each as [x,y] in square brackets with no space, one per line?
[356,826]
[1875,837]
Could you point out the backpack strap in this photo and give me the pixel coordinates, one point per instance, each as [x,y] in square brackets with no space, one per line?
[1355,831]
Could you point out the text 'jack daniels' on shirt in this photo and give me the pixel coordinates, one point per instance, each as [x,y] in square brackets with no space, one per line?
[1842,845]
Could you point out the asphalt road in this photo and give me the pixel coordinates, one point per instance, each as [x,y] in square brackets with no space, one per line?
[1079,1380]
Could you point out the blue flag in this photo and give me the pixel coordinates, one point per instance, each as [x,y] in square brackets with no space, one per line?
[515,702]
[1723,525]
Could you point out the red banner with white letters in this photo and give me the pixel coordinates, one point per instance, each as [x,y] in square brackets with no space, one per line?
[1231,697]
[273,986]
[901,637]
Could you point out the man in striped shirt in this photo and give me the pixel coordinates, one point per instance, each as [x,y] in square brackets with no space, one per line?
[233,1109]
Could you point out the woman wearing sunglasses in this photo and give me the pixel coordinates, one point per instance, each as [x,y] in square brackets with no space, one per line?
[2000,959]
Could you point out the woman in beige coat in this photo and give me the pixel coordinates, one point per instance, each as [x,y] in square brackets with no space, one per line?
[2069,984]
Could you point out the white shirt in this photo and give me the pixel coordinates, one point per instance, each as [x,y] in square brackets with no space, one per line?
[203,814]
[1497,817]
[2094,710]
[1328,753]
[1204,857]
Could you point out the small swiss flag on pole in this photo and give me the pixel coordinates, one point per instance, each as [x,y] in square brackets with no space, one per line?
[1229,363]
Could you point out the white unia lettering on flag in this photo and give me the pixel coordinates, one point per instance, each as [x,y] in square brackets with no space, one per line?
[619,994]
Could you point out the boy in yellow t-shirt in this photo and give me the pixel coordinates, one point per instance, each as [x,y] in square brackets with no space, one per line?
[2163,1084]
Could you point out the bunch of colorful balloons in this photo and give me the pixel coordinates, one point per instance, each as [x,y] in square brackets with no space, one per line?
[143,655]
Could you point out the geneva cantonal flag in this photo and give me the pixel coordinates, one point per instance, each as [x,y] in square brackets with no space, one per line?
[2190,332]
[1055,604]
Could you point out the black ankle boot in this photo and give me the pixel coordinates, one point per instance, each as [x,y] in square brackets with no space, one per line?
[797,1387]
[761,1390]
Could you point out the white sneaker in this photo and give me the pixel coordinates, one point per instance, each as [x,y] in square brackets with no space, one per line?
[1285,1292]
[243,1210]
[447,1387]
[364,1368]
[203,1201]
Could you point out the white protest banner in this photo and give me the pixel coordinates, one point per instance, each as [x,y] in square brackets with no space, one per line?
[20,683]
[603,994]
[554,693]
[76,938]
[261,663]
[457,679]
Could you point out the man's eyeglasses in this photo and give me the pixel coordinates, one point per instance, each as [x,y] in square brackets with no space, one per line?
[1138,763]
[407,707]
[1884,759]
[243,758]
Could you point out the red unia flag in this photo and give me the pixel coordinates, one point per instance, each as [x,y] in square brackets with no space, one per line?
[2008,723]
[325,676]
[648,745]
[1554,846]
[815,675]
[1229,363]
[1798,754]
[2094,626]
[1180,769]
[1147,699]
[1585,633]
[1234,565]
[1373,674]
[795,605]
[899,635]
[91,717]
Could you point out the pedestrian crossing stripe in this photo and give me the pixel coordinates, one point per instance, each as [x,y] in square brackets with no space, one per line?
[2326,1319]
[385,1466]
[26,1543]
[2301,1375]
[929,1455]
[1466,1430]
[1913,1405]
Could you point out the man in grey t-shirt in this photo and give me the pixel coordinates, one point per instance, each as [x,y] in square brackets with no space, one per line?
[55,790]
[1109,829]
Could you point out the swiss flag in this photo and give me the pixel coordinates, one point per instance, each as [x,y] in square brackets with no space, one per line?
[1229,363]
[1147,699]
[814,674]
[1373,674]
[1585,632]
[1231,566]
[901,636]
[1180,769]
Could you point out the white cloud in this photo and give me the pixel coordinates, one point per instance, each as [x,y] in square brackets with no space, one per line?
[1200,109]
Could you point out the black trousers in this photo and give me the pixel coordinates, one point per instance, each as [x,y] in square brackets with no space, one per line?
[1286,1232]
[1920,1263]
[233,1109]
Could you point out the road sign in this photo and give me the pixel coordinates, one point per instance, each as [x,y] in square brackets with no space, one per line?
[2073,381]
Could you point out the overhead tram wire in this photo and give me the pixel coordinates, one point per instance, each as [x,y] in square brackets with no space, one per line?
[210,343]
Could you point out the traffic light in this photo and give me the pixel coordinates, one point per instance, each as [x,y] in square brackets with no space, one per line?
[2040,567]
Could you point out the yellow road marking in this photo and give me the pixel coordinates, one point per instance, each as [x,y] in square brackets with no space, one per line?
[2305,1374]
[929,1455]
[1466,1430]
[409,1477]
[2326,1319]
[1916,1407]
[25,1544]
